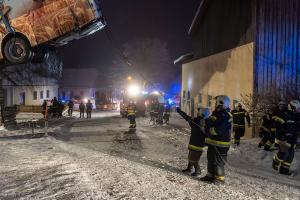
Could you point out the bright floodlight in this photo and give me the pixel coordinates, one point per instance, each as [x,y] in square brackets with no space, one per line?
[85,100]
[133,90]
[155,92]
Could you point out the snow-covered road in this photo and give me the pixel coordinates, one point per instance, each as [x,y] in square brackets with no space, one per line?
[102,159]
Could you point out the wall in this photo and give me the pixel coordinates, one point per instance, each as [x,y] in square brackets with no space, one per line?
[229,73]
[277,53]
[223,25]
[13,94]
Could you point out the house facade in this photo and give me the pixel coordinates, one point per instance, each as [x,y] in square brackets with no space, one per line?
[241,47]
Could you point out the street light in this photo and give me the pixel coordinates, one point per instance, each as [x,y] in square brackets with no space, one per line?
[129,78]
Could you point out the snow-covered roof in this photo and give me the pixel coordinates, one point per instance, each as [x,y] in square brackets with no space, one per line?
[184,58]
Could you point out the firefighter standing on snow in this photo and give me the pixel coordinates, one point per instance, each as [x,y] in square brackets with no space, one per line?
[239,114]
[219,126]
[131,110]
[286,137]
[266,131]
[269,139]
[197,139]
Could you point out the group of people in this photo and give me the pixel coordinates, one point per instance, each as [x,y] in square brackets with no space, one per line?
[215,131]
[159,112]
[280,131]
[57,107]
[55,110]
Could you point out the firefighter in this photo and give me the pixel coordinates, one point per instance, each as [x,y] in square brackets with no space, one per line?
[286,137]
[239,114]
[89,108]
[152,111]
[161,113]
[219,126]
[131,110]
[44,109]
[71,106]
[197,139]
[265,130]
[55,107]
[155,110]
[270,140]
[81,109]
[167,114]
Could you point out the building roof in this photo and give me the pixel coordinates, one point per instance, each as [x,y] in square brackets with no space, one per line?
[184,58]
[199,15]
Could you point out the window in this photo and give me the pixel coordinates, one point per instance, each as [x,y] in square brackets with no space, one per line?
[35,95]
[183,95]
[209,100]
[47,94]
[41,94]
[199,99]
[189,95]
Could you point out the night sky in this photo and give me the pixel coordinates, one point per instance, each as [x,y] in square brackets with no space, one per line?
[132,20]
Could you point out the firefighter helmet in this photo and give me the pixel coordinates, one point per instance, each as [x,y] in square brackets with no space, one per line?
[294,105]
[281,103]
[222,101]
[204,112]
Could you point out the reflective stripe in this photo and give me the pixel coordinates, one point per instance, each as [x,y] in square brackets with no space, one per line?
[229,113]
[278,119]
[286,164]
[237,125]
[213,131]
[220,178]
[213,118]
[239,113]
[217,143]
[277,159]
[236,140]
[269,143]
[196,148]
[273,129]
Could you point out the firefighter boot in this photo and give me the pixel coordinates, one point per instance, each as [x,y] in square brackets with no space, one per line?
[197,171]
[188,169]
[208,178]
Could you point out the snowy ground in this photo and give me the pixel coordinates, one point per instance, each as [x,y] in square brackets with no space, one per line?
[102,159]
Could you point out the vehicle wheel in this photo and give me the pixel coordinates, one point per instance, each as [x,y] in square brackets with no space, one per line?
[17,50]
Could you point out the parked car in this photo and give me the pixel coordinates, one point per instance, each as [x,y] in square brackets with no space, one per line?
[35,25]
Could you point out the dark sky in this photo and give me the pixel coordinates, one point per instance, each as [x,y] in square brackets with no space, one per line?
[130,20]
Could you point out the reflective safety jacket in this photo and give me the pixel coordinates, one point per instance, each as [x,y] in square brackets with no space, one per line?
[286,123]
[267,124]
[219,127]
[131,109]
[197,139]
[239,118]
